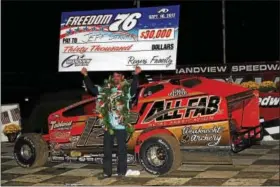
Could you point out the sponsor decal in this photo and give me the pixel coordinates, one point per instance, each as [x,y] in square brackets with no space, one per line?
[75,154]
[58,158]
[178,92]
[75,60]
[89,159]
[61,125]
[82,159]
[60,135]
[67,145]
[69,158]
[74,139]
[163,13]
[157,47]
[269,101]
[64,146]
[211,136]
[204,106]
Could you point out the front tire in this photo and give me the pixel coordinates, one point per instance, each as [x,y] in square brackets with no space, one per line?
[31,151]
[160,154]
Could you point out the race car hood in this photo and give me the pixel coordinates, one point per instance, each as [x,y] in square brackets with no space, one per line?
[214,87]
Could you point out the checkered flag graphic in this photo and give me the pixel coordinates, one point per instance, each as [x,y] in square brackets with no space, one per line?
[5,118]
[15,114]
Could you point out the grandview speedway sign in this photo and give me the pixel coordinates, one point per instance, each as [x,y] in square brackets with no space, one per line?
[234,69]
[109,40]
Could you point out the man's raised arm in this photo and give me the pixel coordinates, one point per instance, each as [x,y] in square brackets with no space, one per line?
[135,81]
[90,87]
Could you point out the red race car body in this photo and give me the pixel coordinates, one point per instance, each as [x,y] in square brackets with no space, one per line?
[167,116]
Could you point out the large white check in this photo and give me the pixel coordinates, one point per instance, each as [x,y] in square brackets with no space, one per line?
[110,40]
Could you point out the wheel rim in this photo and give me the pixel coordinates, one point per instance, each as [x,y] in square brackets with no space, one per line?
[156,155]
[25,152]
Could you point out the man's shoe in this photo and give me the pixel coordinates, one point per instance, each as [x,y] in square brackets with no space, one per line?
[120,175]
[103,176]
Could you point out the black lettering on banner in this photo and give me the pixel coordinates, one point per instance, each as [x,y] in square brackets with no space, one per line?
[66,40]
[69,40]
[230,68]
[74,40]
[157,47]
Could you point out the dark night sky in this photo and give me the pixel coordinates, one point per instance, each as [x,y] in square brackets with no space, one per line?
[30,35]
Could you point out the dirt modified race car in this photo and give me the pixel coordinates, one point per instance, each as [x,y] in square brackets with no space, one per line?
[167,116]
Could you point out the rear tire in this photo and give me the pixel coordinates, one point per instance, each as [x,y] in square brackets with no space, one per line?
[31,151]
[167,152]
[235,148]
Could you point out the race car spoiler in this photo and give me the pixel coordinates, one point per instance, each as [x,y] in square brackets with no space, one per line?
[240,96]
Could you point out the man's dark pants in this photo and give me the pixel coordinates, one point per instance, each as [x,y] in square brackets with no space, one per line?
[121,136]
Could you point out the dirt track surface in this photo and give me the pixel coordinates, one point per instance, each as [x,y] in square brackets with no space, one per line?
[256,166]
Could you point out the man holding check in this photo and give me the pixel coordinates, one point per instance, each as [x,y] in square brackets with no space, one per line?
[116,126]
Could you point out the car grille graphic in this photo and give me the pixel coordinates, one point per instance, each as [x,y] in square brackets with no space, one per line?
[96,137]
[91,122]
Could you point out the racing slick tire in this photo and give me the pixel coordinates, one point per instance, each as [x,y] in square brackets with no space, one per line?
[160,154]
[31,150]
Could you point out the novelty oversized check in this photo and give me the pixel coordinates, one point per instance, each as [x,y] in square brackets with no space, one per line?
[109,40]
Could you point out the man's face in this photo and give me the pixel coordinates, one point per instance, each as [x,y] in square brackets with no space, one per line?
[117,77]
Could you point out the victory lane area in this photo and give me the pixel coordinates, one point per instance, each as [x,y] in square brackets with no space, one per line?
[256,166]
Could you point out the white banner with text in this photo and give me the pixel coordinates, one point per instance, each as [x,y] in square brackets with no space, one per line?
[118,40]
